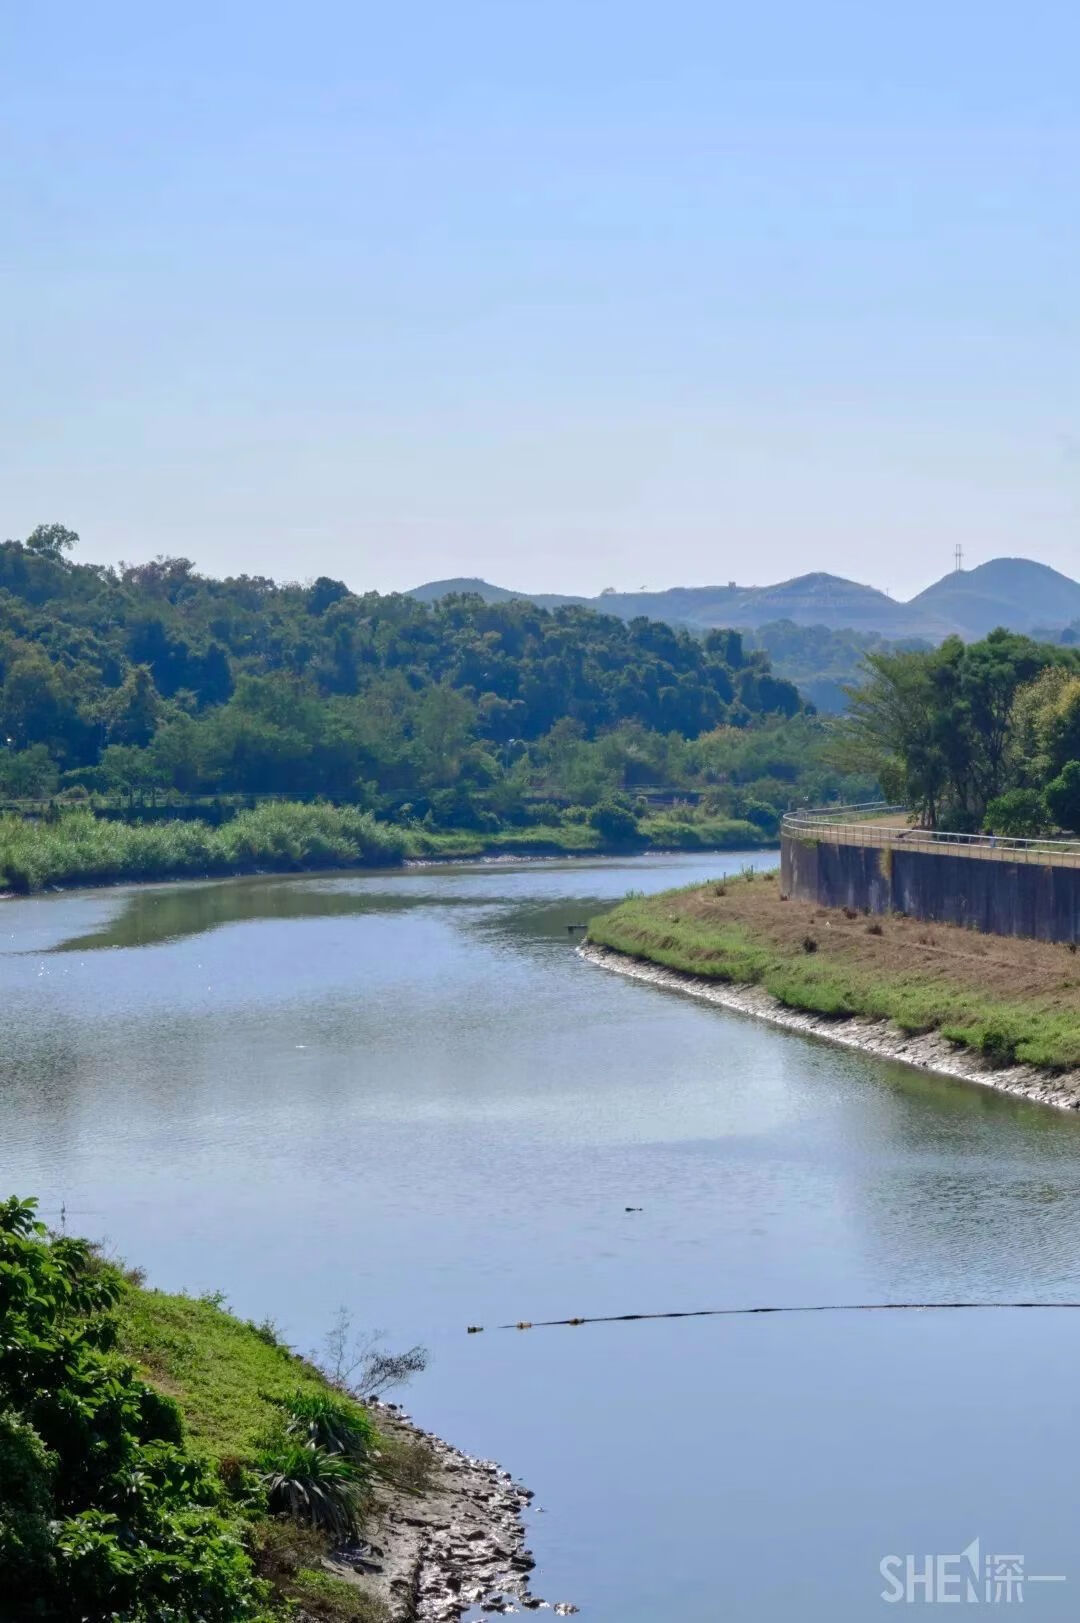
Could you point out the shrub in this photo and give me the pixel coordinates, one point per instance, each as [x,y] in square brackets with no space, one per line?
[103,1512]
[281,1547]
[79,848]
[330,1423]
[764,817]
[1063,796]
[998,1045]
[312,1485]
[1020,814]
[26,1471]
[614,821]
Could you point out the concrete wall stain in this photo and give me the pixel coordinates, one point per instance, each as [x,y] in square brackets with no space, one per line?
[998,898]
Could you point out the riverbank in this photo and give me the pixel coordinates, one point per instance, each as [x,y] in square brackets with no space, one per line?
[78,848]
[440,1531]
[999,1011]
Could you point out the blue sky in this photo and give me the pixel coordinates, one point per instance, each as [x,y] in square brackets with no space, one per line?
[565,295]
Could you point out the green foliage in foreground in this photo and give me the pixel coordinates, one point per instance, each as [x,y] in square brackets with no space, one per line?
[105,1513]
[313,1485]
[655,930]
[215,1503]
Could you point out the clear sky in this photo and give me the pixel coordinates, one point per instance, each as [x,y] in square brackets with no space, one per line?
[565,293]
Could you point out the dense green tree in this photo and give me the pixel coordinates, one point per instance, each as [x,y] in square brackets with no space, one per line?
[51,540]
[1018,813]
[29,774]
[153,678]
[941,728]
[614,820]
[1062,795]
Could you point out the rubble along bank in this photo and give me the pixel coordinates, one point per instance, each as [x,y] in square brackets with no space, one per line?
[457,1547]
[927,1051]
[441,1533]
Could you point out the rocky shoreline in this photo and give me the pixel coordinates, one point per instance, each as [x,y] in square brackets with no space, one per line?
[456,1549]
[926,1052]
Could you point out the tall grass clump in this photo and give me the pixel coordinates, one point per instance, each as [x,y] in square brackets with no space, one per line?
[80,849]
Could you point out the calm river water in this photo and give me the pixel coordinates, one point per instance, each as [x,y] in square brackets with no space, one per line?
[405,1093]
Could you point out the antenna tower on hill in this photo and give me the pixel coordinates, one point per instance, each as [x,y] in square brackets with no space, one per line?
[958,558]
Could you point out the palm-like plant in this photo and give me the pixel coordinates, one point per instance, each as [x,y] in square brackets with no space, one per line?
[330,1423]
[312,1485]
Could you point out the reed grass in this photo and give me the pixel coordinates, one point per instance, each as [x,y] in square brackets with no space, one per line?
[282,836]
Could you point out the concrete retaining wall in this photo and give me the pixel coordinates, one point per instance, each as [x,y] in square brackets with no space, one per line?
[996,896]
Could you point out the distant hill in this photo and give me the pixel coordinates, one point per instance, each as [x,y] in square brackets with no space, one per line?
[808,600]
[1013,592]
[436,589]
[822,663]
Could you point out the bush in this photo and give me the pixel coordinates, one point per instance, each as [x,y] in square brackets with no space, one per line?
[614,821]
[103,1513]
[331,1423]
[26,1471]
[1063,796]
[1019,814]
[998,1045]
[312,1485]
[763,816]
[406,1462]
[28,774]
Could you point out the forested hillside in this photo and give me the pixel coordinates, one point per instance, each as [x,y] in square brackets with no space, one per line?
[821,662]
[153,678]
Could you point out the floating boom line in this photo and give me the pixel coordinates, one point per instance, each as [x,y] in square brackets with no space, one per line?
[809,1307]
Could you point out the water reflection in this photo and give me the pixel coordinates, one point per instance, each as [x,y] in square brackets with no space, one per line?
[171,912]
[404,1092]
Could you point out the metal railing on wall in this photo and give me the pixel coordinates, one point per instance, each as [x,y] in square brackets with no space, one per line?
[867,825]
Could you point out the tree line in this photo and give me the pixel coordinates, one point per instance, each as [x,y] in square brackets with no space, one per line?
[153,679]
[976,736]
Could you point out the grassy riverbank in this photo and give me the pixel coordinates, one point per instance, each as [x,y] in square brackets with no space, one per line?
[233,1382]
[162,1459]
[1010,1000]
[78,848]
[81,849]
[659,833]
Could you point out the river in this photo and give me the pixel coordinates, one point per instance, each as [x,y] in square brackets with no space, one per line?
[405,1094]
